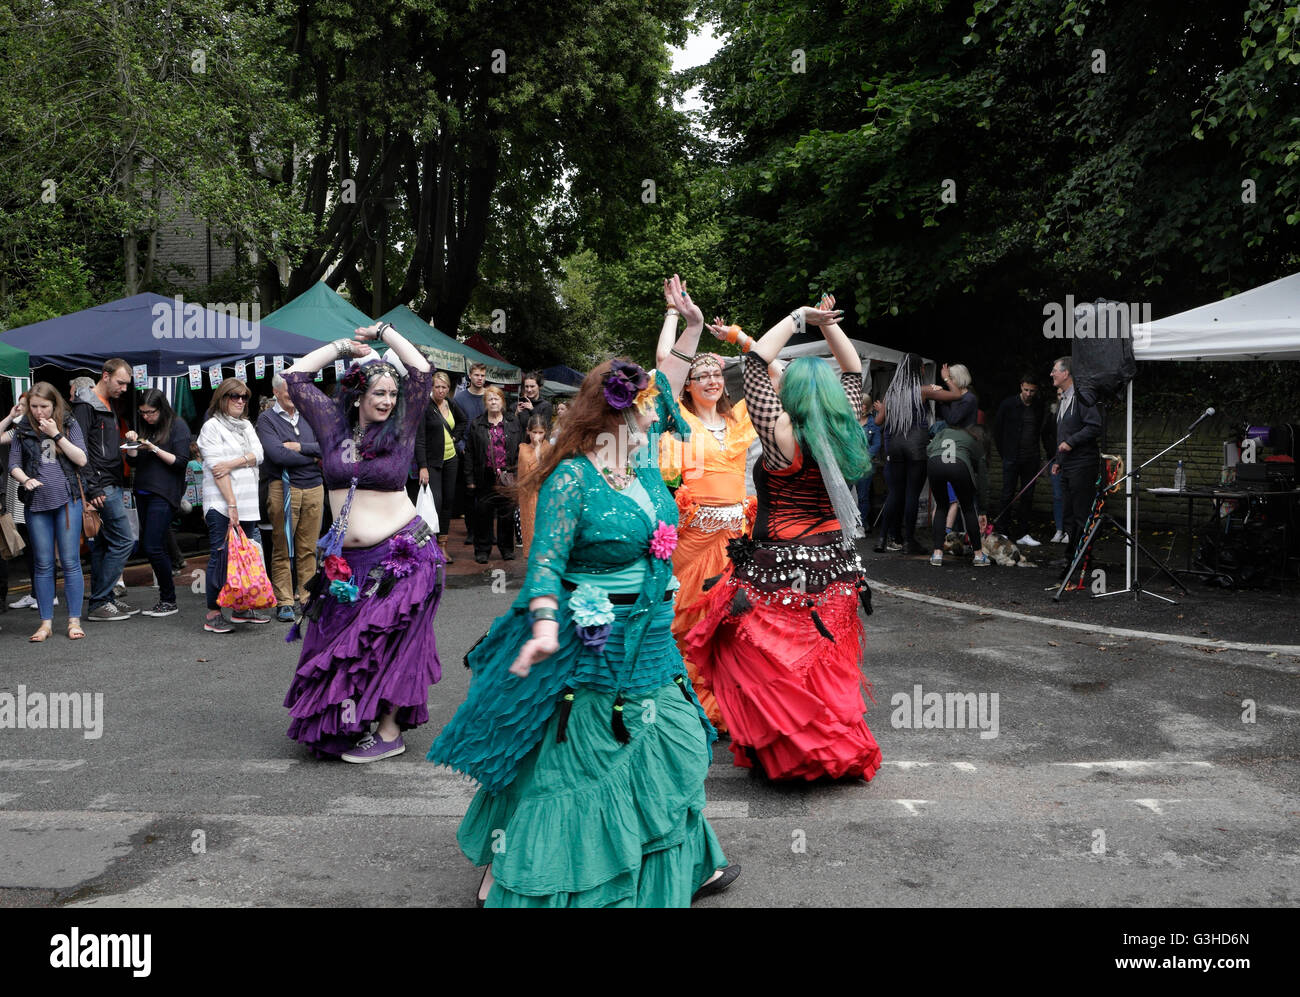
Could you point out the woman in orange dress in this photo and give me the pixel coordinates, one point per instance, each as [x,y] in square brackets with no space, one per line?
[531,452]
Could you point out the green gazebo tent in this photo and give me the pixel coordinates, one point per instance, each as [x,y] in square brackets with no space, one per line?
[443,351]
[319,313]
[15,364]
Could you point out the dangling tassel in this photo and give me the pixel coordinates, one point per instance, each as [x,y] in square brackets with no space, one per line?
[686,693]
[817,622]
[562,728]
[740,603]
[710,582]
[864,596]
[620,729]
[294,633]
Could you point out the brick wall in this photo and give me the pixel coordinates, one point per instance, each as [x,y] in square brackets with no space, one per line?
[184,242]
[1202,458]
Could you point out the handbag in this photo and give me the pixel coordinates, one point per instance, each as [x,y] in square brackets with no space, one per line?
[90,518]
[11,541]
[247,585]
[425,508]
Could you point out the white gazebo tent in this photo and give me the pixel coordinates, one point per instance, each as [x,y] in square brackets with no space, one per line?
[1259,324]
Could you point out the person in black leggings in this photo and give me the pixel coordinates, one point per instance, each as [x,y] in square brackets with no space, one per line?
[902,412]
[956,457]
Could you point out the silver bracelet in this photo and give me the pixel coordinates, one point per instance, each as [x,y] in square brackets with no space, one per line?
[379,334]
[673,312]
[342,348]
[680,355]
[797,316]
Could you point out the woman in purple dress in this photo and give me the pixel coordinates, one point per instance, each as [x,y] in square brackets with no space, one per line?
[369,653]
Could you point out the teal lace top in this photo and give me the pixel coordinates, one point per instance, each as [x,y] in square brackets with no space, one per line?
[584,530]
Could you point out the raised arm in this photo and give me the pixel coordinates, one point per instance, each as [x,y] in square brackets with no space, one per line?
[672,356]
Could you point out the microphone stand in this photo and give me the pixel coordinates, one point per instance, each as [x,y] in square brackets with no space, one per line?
[1133,584]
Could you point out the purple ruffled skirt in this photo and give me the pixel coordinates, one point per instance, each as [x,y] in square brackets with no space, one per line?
[362,659]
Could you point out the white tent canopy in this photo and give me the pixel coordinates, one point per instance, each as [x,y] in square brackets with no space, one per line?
[1260,324]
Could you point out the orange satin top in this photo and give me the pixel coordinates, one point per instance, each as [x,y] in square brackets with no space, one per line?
[714,472]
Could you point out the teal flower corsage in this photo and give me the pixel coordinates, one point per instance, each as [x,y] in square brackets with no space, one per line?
[593,615]
[344,590]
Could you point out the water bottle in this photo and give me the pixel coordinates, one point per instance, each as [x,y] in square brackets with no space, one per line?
[1180,477]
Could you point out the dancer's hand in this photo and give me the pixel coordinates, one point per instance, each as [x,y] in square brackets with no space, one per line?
[821,316]
[676,296]
[537,649]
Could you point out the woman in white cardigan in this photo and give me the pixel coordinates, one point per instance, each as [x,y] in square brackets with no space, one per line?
[231,453]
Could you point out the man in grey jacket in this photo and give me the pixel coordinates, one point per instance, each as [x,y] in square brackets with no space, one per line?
[103,481]
[292,460]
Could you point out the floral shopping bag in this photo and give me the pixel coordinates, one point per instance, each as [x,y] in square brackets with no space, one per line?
[247,586]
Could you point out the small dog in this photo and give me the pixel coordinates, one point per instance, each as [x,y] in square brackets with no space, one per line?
[954,545]
[1001,550]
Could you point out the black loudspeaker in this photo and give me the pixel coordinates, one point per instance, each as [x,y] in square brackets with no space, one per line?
[1101,359]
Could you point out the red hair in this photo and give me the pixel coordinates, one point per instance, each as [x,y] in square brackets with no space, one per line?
[589,417]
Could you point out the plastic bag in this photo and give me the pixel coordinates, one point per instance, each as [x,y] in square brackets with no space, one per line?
[247,585]
[425,509]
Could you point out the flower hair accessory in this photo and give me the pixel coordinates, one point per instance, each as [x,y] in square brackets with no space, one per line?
[624,382]
[663,541]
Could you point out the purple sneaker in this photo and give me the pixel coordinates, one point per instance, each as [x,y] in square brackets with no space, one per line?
[371,748]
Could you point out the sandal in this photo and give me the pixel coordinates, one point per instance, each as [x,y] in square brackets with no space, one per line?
[74,630]
[43,633]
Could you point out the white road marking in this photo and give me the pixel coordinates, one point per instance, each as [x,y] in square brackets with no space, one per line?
[1155,806]
[40,764]
[911,805]
[1006,614]
[726,809]
[1134,765]
[268,765]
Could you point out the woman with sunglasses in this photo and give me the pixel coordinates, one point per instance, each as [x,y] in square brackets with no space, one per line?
[231,453]
[711,498]
[159,461]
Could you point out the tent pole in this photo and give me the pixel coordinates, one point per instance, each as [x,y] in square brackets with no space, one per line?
[1129,566]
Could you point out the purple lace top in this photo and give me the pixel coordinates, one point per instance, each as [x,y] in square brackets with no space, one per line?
[340,459]
[496,455]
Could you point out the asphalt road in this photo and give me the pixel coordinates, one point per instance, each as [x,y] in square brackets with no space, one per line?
[1123,771]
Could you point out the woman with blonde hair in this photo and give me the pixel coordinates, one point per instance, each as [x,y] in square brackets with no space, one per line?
[44,457]
[491,456]
[231,454]
[436,456]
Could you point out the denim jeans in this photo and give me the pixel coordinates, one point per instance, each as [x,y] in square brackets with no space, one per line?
[155,517]
[864,499]
[62,528]
[218,529]
[111,548]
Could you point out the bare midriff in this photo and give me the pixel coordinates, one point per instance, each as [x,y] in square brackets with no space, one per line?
[374,517]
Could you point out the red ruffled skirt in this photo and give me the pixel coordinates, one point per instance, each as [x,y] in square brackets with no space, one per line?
[792,699]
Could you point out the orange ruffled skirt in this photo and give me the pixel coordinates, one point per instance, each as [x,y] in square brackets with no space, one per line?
[792,699]
[700,555]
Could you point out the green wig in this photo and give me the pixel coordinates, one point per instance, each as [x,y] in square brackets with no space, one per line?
[814,399]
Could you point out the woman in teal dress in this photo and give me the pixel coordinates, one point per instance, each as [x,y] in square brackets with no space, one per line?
[580,726]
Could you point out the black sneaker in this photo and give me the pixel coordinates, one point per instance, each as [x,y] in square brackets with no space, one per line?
[162,609]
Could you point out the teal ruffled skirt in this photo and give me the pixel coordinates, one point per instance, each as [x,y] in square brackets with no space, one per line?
[587,821]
